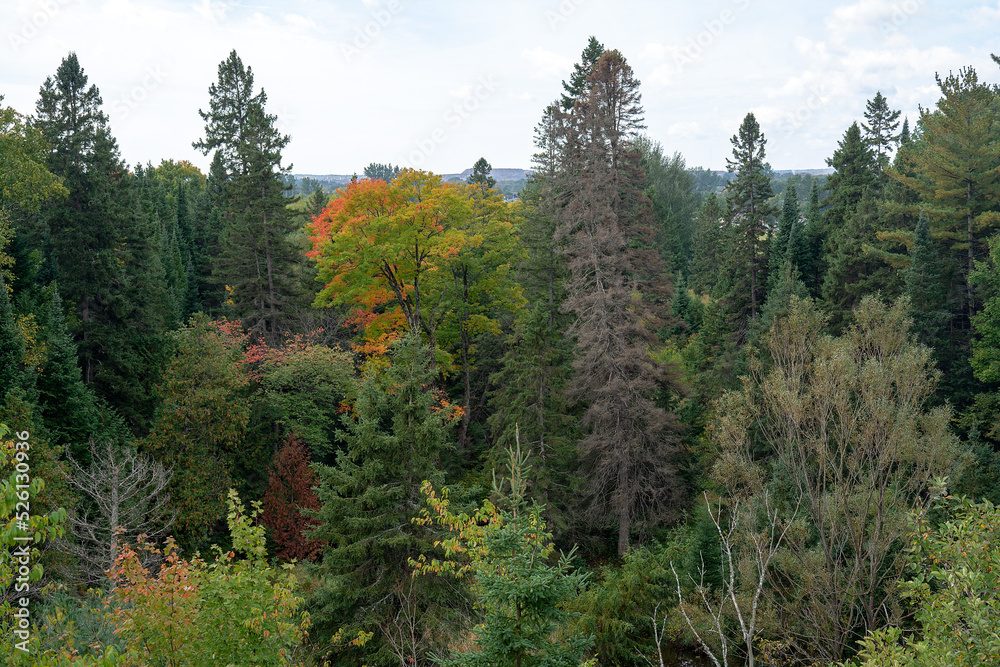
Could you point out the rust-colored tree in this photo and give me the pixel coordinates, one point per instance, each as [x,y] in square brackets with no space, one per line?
[612,289]
[289,492]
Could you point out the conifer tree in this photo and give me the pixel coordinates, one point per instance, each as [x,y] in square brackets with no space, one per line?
[256,258]
[926,290]
[880,132]
[394,440]
[749,213]
[577,85]
[606,224]
[707,251]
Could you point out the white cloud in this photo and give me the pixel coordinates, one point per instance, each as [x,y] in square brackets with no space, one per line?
[547,64]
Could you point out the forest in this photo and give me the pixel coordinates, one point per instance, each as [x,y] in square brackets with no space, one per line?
[639,414]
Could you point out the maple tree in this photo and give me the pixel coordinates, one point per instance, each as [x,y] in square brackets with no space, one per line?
[384,249]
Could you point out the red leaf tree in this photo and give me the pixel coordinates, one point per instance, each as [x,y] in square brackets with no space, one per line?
[289,491]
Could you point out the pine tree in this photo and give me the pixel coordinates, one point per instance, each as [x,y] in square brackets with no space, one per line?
[256,256]
[606,228]
[481,176]
[749,213]
[880,131]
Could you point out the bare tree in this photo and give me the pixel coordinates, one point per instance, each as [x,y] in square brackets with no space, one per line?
[124,496]
[747,554]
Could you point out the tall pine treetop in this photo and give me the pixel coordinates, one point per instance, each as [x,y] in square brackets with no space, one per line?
[577,85]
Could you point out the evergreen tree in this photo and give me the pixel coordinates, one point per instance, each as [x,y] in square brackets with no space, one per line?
[68,407]
[481,176]
[784,237]
[706,245]
[521,593]
[102,246]
[256,259]
[880,131]
[670,188]
[394,439]
[854,269]
[15,375]
[378,171]
[926,290]
[749,212]
[577,85]
[606,225]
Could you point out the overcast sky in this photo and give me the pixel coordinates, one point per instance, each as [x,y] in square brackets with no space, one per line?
[436,84]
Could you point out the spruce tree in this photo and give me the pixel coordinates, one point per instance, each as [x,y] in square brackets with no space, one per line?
[926,290]
[393,442]
[577,85]
[613,289]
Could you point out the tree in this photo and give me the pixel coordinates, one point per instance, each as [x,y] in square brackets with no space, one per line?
[231,611]
[396,435]
[952,586]
[880,132]
[629,438]
[670,188]
[391,243]
[840,425]
[123,496]
[926,290]
[101,247]
[783,240]
[256,261]
[200,428]
[377,171]
[481,176]
[504,549]
[955,174]
[582,70]
[289,497]
[749,213]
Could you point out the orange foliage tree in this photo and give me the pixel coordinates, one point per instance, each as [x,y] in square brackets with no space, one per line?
[385,248]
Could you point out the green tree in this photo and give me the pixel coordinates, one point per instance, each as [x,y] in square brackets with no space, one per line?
[256,260]
[505,549]
[749,213]
[384,172]
[101,248]
[201,426]
[880,132]
[393,441]
[481,176]
[953,583]
[582,70]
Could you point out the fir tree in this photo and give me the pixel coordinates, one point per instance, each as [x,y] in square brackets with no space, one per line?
[880,132]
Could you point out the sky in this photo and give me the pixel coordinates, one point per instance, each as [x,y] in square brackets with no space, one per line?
[437,84]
